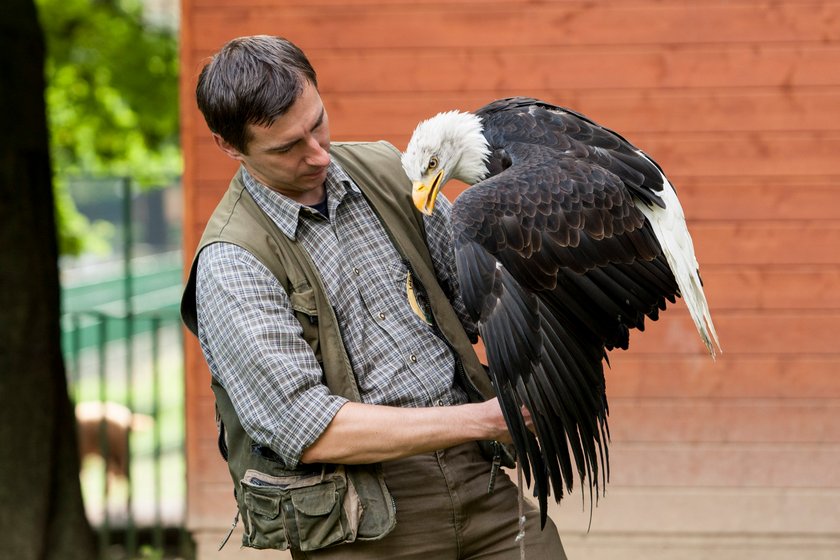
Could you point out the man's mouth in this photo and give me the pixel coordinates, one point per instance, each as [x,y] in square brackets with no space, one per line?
[315,173]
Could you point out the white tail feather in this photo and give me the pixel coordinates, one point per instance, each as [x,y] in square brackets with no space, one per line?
[670,229]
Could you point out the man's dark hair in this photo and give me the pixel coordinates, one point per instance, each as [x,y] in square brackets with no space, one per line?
[251,80]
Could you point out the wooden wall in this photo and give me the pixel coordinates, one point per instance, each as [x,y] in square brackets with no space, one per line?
[740,103]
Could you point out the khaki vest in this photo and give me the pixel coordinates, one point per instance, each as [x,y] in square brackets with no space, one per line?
[376,169]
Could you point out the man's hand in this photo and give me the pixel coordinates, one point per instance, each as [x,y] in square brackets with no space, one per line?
[496,418]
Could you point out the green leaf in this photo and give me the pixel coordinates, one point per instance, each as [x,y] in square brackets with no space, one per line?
[112,99]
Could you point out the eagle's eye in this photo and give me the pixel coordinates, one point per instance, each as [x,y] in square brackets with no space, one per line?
[433,163]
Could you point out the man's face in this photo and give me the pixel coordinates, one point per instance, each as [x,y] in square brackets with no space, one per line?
[292,154]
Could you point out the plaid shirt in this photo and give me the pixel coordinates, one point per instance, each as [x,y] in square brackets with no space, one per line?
[253,344]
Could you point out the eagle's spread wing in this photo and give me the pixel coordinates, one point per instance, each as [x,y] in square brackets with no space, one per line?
[556,262]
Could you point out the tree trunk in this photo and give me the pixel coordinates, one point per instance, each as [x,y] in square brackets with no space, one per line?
[41,511]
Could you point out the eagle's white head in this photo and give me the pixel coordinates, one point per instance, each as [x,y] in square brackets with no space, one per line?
[447,146]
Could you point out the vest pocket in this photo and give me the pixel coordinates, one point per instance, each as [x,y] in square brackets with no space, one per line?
[264,527]
[303,512]
[318,515]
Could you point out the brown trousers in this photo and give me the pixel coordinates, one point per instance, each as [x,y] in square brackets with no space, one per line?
[445,513]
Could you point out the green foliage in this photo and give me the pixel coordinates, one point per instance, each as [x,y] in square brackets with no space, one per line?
[112,99]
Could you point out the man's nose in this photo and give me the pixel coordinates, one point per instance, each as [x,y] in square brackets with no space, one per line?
[316,155]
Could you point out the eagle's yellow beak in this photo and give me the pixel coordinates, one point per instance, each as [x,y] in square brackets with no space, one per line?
[424,193]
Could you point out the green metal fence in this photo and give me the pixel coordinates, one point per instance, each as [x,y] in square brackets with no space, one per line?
[123,351]
[155,289]
[126,376]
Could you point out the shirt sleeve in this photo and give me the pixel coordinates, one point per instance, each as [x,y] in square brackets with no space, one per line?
[254,347]
[442,248]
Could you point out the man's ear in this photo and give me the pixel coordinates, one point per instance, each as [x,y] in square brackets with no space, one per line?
[229,150]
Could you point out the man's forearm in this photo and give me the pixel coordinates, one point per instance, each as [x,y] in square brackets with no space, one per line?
[363,433]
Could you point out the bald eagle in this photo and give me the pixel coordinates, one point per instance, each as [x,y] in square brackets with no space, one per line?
[568,237]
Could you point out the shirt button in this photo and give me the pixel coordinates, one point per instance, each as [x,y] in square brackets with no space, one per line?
[356,271]
[439,402]
[382,316]
[413,358]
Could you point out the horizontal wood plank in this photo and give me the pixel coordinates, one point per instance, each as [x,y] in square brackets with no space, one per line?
[767,243]
[538,69]
[462,25]
[741,465]
[528,69]
[710,512]
[770,376]
[730,421]
[776,198]
[770,287]
[629,111]
[751,154]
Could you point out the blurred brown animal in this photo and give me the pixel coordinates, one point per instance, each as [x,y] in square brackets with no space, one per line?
[118,422]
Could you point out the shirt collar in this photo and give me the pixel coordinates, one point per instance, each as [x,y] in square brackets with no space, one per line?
[285,212]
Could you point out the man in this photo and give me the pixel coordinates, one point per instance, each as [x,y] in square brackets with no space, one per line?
[353,411]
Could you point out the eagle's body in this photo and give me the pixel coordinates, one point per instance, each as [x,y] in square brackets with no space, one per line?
[568,238]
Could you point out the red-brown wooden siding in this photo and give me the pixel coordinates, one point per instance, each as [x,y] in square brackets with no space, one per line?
[739,102]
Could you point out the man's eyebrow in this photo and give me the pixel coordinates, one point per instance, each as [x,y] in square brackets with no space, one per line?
[289,145]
